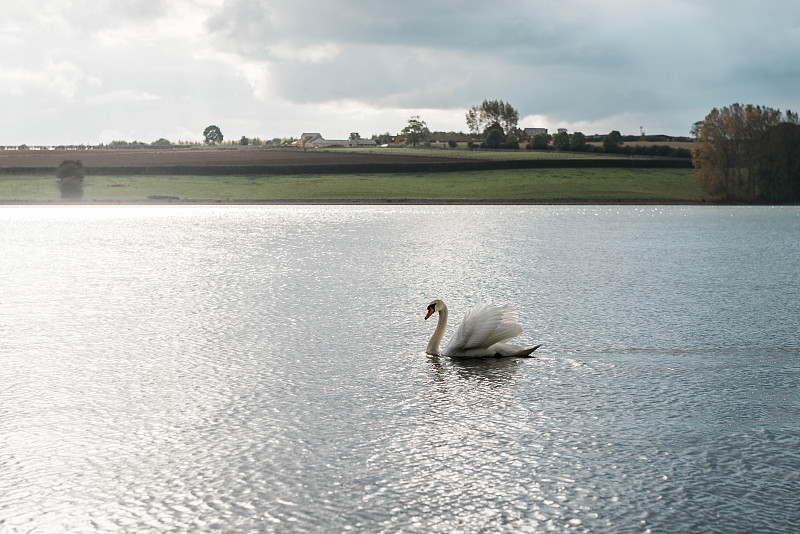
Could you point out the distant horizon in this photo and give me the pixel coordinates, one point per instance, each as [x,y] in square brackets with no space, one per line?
[234,140]
[198,139]
[75,72]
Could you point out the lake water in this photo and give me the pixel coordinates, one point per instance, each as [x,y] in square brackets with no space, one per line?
[262,369]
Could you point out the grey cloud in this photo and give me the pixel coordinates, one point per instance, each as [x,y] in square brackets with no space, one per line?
[251,25]
[568,59]
[665,64]
[503,45]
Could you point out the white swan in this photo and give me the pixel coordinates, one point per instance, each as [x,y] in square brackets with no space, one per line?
[483,332]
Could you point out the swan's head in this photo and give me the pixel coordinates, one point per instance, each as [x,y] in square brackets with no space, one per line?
[435,306]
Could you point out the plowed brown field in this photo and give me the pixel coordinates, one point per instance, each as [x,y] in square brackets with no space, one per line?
[277,161]
[204,157]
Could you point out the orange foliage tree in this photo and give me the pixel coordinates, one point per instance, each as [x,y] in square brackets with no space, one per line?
[749,154]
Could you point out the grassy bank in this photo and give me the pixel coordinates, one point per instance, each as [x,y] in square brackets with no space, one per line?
[587,185]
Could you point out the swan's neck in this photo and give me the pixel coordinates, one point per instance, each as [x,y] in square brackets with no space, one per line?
[436,338]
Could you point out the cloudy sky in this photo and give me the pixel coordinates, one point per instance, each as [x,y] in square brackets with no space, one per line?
[89,71]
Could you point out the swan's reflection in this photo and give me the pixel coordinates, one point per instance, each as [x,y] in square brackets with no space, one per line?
[485,373]
[500,371]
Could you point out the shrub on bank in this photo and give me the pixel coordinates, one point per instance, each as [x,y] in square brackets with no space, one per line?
[70,179]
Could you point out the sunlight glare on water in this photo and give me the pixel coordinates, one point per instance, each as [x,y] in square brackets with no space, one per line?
[262,368]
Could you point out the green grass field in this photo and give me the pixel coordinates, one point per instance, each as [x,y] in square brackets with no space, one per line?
[546,185]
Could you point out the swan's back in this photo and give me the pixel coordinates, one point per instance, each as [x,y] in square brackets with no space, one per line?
[483,326]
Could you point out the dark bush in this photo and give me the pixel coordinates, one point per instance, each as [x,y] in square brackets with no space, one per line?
[71,168]
[539,142]
[577,142]
[612,142]
[561,140]
[511,143]
[494,138]
[70,179]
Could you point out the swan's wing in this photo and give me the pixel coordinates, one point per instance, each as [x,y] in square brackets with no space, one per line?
[483,326]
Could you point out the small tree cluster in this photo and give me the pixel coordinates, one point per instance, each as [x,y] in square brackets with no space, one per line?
[70,179]
[561,141]
[612,142]
[490,112]
[416,131]
[577,142]
[213,135]
[126,144]
[383,139]
[539,141]
[495,137]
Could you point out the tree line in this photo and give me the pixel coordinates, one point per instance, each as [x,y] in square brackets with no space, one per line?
[212,135]
[749,153]
[495,123]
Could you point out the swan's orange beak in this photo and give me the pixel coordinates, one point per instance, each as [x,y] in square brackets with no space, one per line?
[430,312]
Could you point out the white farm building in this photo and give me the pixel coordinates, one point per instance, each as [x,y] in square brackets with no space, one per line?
[315,140]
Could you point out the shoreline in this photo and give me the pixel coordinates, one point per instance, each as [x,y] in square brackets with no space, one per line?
[379,202]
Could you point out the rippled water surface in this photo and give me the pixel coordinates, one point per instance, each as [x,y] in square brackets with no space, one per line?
[243,369]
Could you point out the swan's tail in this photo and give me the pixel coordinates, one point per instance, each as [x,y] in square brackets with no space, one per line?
[527,353]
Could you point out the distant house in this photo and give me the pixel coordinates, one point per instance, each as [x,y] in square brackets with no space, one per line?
[365,142]
[307,138]
[530,132]
[315,140]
